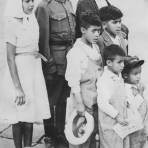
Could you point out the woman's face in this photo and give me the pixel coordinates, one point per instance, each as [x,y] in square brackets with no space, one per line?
[28,6]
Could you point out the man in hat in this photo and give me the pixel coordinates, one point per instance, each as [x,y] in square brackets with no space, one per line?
[57,33]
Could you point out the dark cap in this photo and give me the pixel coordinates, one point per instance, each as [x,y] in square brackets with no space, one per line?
[110,13]
[132,62]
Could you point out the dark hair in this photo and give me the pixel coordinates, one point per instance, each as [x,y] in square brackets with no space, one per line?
[111,12]
[131,62]
[88,19]
[110,52]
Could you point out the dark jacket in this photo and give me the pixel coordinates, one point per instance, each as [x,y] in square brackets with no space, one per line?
[82,7]
[57,31]
[105,40]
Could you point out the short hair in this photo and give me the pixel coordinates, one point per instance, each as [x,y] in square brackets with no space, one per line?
[88,19]
[108,13]
[110,52]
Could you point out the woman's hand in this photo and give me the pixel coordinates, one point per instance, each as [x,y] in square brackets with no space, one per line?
[20,97]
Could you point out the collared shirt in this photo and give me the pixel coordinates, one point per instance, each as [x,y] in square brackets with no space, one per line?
[77,61]
[106,88]
[115,40]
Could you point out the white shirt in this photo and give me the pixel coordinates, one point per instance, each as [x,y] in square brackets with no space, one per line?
[22,33]
[105,89]
[77,61]
[135,101]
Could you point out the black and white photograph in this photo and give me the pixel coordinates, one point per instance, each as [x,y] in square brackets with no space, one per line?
[73,73]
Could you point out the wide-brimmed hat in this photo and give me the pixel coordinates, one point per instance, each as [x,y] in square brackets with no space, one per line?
[79,128]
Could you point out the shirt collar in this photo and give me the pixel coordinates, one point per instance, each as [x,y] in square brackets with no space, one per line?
[90,52]
[114,40]
[130,86]
[112,75]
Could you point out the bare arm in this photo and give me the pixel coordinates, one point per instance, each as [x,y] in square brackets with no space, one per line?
[20,96]
[79,103]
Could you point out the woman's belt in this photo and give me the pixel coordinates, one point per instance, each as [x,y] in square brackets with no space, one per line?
[35,53]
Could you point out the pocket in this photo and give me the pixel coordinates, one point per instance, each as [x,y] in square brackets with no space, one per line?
[58,16]
[59,23]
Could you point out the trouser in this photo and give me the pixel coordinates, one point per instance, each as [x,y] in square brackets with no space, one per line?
[58,91]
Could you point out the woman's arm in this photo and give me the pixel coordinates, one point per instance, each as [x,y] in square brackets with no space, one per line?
[20,96]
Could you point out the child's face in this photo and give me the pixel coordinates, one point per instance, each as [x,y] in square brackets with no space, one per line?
[91,34]
[113,26]
[116,65]
[134,75]
[28,6]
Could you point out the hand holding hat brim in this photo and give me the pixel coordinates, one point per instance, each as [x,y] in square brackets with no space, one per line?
[88,129]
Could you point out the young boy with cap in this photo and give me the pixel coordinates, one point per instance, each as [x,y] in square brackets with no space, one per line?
[84,64]
[111,98]
[112,34]
[136,102]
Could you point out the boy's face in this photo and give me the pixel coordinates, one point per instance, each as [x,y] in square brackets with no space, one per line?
[134,75]
[113,26]
[116,65]
[91,34]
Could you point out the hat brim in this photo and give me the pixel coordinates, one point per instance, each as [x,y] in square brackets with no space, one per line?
[137,63]
[69,133]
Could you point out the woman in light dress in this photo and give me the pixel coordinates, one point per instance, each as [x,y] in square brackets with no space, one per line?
[24,86]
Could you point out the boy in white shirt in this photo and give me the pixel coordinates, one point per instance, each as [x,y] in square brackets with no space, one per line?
[135,99]
[84,64]
[111,98]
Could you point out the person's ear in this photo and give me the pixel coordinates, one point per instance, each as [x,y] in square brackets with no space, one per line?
[109,63]
[83,30]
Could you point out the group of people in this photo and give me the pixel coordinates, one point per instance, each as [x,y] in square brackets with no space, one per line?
[60,61]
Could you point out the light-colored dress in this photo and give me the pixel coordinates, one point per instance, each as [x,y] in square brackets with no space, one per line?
[24,34]
[138,105]
[111,101]
[83,69]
